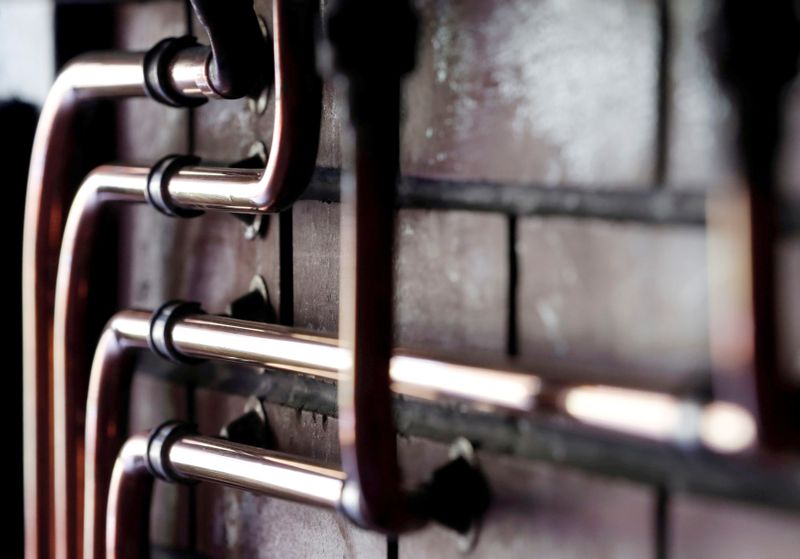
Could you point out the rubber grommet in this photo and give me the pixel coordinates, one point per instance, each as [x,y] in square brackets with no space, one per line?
[157,191]
[160,331]
[158,444]
[156,72]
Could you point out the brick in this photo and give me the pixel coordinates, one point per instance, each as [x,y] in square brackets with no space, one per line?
[316,266]
[700,146]
[705,528]
[627,296]
[451,281]
[538,509]
[547,92]
[205,259]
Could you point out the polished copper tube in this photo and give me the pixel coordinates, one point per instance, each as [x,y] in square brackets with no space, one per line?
[127,529]
[110,184]
[295,133]
[291,161]
[255,469]
[92,76]
[639,413]
[197,458]
[107,416]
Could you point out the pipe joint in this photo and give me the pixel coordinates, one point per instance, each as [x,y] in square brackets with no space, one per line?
[160,332]
[159,443]
[158,75]
[157,192]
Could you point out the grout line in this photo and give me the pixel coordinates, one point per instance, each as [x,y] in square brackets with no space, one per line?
[512,327]
[664,93]
[286,267]
[662,525]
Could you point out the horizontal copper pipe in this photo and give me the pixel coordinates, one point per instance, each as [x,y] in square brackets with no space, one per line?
[290,164]
[197,458]
[639,413]
[92,76]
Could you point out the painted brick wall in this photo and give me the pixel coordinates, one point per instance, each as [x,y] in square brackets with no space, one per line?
[554,93]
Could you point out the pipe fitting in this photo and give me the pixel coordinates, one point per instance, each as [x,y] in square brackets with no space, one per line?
[157,192]
[158,445]
[158,80]
[160,331]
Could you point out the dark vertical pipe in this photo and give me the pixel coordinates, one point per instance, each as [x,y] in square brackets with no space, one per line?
[758,45]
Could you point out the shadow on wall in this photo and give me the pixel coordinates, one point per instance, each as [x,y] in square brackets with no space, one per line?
[18,120]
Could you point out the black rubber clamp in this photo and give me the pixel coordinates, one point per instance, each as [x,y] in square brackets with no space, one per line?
[161,323]
[158,445]
[157,192]
[157,62]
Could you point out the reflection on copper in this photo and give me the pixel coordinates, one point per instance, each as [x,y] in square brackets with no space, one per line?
[257,470]
[107,184]
[92,76]
[722,427]
[295,133]
[127,524]
[291,162]
[197,458]
[650,415]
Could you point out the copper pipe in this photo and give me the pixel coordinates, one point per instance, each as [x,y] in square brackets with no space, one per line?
[92,76]
[255,469]
[656,416]
[295,133]
[197,458]
[107,415]
[290,164]
[128,525]
[105,185]
[370,87]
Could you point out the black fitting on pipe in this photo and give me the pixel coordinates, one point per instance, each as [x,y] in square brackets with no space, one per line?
[242,62]
[158,445]
[157,81]
[157,191]
[161,323]
[457,496]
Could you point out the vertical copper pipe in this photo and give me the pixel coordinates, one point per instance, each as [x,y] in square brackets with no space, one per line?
[197,458]
[107,416]
[105,185]
[747,360]
[371,86]
[128,517]
[91,76]
[295,133]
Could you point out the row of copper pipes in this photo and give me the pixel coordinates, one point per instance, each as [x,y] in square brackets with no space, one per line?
[76,411]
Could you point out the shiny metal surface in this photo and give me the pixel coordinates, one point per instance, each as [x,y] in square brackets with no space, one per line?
[106,420]
[291,163]
[105,185]
[655,416]
[254,469]
[264,345]
[92,76]
[293,151]
[188,73]
[212,460]
[127,521]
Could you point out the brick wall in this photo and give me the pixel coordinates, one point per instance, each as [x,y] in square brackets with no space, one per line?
[543,95]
